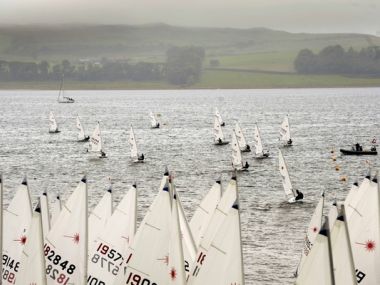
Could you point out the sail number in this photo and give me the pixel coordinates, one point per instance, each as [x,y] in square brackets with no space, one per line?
[200,261]
[110,253]
[8,276]
[58,269]
[9,264]
[359,275]
[135,279]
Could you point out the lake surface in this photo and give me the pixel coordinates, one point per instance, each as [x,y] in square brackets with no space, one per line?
[272,229]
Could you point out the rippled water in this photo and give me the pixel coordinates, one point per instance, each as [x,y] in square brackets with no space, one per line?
[272,229]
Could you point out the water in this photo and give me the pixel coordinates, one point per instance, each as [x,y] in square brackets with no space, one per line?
[272,229]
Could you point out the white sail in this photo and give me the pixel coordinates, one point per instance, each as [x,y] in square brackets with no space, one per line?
[81,134]
[223,264]
[1,218]
[313,229]
[133,145]
[363,226]
[201,218]
[318,266]
[240,136]
[218,133]
[237,162]
[113,240]
[176,265]
[285,130]
[61,94]
[53,123]
[355,195]
[66,243]
[153,120]
[55,209]
[286,183]
[228,199]
[99,216]
[258,144]
[32,265]
[219,117]
[96,140]
[17,219]
[344,270]
[45,213]
[149,253]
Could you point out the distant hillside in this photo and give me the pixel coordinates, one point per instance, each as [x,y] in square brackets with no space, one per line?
[150,42]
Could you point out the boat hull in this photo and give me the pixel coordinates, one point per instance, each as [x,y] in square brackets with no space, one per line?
[354,152]
[222,143]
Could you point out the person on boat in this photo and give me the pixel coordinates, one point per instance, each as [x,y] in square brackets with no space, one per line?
[290,141]
[141,157]
[299,195]
[373,148]
[220,141]
[247,148]
[102,154]
[158,125]
[246,165]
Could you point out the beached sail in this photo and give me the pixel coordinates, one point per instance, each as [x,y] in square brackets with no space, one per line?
[149,252]
[244,147]
[32,265]
[220,214]
[53,127]
[219,117]
[313,229]
[202,215]
[224,261]
[355,195]
[81,135]
[344,269]
[45,213]
[237,161]
[290,192]
[66,243]
[363,227]
[136,157]
[96,142]
[55,209]
[153,121]
[61,94]
[285,132]
[218,133]
[17,219]
[99,216]
[318,266]
[113,240]
[176,265]
[259,150]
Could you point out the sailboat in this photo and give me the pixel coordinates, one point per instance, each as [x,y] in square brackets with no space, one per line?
[61,97]
[218,133]
[285,132]
[237,162]
[96,142]
[292,194]
[241,139]
[136,157]
[153,121]
[53,128]
[55,209]
[219,117]
[81,136]
[260,153]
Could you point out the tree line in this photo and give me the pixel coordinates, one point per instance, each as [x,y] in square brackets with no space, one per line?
[337,60]
[183,66]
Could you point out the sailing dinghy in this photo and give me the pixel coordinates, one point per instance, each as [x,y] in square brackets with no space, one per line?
[241,139]
[81,135]
[96,142]
[237,162]
[61,94]
[285,132]
[260,152]
[293,195]
[218,133]
[153,121]
[219,117]
[53,129]
[136,157]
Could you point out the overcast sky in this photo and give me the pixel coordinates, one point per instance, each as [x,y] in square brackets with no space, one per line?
[292,15]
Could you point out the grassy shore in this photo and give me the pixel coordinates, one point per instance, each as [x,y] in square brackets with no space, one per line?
[212,79]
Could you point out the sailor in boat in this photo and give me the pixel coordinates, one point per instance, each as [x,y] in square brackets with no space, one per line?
[246,165]
[299,195]
[357,147]
[220,141]
[373,148]
[102,154]
[158,125]
[247,148]
[141,157]
[290,142]
[222,124]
